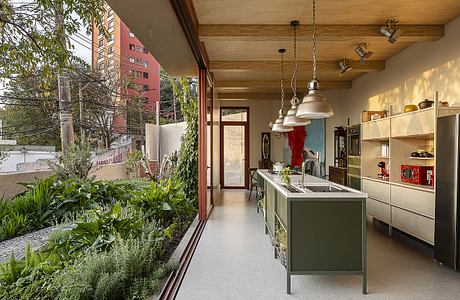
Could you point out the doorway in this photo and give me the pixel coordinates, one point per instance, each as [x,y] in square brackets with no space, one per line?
[234,141]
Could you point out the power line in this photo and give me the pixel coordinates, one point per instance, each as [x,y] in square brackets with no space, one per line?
[28,99]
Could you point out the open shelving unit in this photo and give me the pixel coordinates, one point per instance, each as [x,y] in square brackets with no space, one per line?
[405,206]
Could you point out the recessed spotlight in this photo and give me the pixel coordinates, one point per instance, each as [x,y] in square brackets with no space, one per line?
[344,66]
[390,31]
[361,51]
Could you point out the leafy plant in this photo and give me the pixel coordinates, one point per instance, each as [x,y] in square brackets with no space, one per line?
[187,169]
[130,269]
[97,229]
[285,176]
[28,211]
[133,163]
[76,161]
[164,201]
[112,251]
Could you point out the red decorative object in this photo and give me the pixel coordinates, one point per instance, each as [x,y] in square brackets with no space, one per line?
[417,174]
[296,140]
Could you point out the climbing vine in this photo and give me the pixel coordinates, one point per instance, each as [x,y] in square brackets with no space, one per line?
[187,169]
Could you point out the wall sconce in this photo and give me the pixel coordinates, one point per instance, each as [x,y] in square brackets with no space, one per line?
[389,30]
[344,66]
[361,51]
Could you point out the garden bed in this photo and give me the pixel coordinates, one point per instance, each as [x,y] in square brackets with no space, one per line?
[117,246]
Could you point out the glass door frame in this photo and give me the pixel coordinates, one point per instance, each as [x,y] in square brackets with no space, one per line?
[246,146]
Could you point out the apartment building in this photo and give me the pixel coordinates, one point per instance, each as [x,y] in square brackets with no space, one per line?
[121,56]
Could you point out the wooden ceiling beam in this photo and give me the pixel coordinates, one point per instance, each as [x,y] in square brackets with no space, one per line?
[275,85]
[273,66]
[412,33]
[253,96]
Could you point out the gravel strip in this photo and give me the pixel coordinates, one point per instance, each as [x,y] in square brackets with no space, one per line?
[18,244]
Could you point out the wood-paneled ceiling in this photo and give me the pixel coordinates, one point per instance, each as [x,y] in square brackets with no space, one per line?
[242,38]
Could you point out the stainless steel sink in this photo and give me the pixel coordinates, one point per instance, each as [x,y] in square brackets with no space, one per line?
[320,188]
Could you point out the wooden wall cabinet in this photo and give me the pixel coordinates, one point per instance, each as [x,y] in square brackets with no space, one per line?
[378,209]
[378,129]
[408,207]
[419,122]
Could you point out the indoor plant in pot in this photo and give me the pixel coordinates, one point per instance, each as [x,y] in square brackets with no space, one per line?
[285,176]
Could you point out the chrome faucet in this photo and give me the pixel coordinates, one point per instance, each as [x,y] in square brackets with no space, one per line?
[304,163]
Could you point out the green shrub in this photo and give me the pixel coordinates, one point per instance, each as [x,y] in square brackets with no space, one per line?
[130,270]
[133,163]
[96,229]
[76,161]
[29,211]
[51,201]
[164,202]
[28,278]
[113,251]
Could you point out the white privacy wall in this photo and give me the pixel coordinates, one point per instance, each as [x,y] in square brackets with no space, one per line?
[170,139]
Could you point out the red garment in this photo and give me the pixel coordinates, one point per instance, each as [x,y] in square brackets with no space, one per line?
[296,140]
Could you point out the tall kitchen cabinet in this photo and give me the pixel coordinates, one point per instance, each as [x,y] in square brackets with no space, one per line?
[402,205]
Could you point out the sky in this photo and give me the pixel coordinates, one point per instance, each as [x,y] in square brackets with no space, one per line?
[82,51]
[82,44]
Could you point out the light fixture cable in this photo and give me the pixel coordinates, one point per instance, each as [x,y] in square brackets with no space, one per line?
[294,74]
[314,39]
[314,105]
[291,119]
[282,79]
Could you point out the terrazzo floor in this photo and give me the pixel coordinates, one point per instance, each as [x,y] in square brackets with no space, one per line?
[234,260]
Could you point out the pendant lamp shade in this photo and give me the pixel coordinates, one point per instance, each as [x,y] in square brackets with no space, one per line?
[314,104]
[278,125]
[291,118]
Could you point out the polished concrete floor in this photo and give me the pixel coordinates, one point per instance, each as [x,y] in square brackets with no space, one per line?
[234,260]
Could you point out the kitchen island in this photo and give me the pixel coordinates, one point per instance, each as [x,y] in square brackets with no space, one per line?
[317,228]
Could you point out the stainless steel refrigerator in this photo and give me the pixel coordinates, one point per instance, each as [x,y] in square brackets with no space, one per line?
[446,244]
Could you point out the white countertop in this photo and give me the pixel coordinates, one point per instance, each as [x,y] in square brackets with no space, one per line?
[275,180]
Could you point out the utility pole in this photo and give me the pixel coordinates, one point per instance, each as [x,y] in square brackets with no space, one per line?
[80,101]
[65,114]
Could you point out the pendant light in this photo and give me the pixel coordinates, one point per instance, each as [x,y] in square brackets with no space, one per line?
[278,125]
[291,119]
[314,104]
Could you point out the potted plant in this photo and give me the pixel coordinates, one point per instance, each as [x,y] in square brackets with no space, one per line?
[285,176]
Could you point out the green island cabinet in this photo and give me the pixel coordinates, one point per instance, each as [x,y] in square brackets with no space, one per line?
[324,233]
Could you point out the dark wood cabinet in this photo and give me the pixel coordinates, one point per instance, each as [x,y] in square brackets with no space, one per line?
[338,175]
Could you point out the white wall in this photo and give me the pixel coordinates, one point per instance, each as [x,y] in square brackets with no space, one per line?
[170,138]
[409,77]
[9,164]
[261,113]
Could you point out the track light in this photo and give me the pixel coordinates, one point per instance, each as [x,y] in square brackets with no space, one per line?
[389,30]
[344,66]
[361,51]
